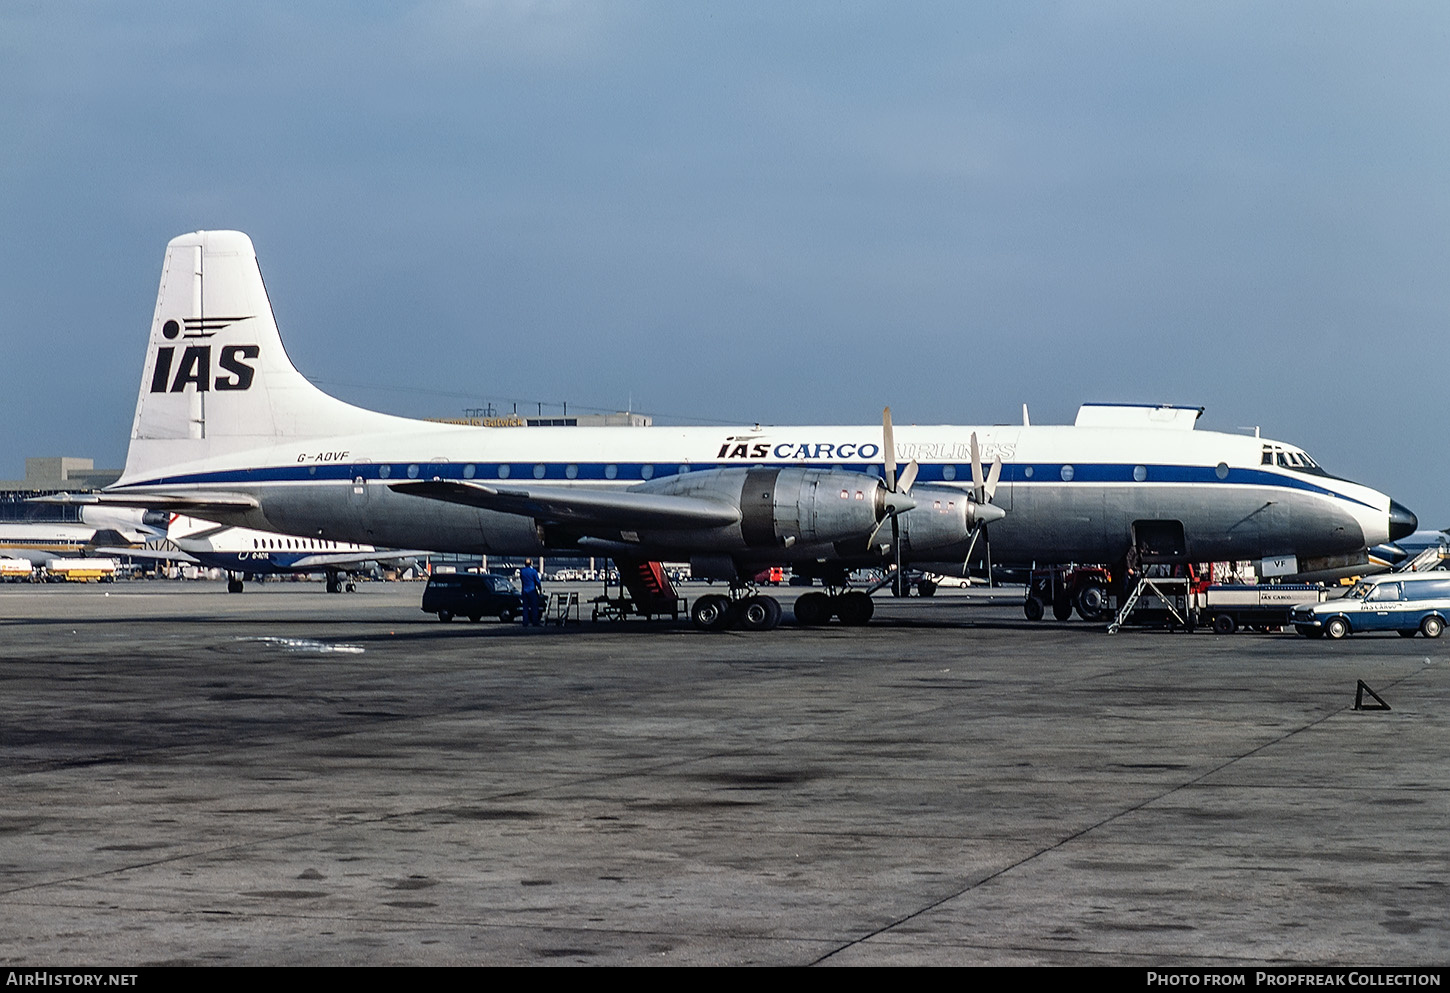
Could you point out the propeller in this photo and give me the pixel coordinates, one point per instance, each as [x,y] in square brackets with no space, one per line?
[982,492]
[896,497]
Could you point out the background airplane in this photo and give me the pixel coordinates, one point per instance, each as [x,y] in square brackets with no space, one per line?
[244,552]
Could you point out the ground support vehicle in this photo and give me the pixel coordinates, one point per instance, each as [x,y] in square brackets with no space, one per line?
[641,588]
[17,570]
[80,571]
[1226,608]
[1159,601]
[1406,603]
[473,595]
[1066,588]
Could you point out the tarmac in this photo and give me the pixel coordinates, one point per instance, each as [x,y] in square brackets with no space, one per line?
[287,777]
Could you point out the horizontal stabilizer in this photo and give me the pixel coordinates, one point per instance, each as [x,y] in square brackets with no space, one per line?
[195,505]
[611,508]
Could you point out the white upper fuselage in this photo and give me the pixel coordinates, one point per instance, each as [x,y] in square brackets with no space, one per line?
[1108,473]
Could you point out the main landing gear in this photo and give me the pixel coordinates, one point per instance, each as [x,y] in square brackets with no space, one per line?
[742,609]
[853,607]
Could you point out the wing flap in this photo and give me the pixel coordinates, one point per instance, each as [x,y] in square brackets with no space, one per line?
[628,509]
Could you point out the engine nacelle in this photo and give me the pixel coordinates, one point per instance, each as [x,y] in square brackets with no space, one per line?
[793,510]
[942,518]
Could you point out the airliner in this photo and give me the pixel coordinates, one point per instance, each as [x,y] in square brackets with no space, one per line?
[226,429]
[243,552]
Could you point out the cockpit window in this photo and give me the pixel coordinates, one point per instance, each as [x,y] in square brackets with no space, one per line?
[1291,458]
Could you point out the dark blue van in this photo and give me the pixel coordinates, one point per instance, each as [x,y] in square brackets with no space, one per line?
[473,595]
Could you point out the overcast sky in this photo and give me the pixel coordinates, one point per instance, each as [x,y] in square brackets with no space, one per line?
[783,212]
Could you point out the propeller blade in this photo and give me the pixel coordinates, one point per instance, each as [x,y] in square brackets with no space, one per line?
[896,583]
[908,476]
[978,486]
[993,477]
[871,539]
[888,449]
[967,559]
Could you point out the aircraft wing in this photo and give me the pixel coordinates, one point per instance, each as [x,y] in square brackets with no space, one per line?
[192,505]
[153,554]
[604,508]
[343,560]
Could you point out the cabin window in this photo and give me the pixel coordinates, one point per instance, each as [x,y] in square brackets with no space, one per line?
[1067,473]
[469,471]
[949,472]
[1140,473]
[611,471]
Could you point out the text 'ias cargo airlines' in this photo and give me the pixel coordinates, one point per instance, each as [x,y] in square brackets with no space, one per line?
[227,430]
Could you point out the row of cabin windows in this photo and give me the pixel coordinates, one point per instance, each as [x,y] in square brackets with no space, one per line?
[297,544]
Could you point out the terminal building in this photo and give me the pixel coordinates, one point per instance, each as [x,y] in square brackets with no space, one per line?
[44,476]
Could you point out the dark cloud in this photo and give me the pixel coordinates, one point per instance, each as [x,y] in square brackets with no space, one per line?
[753,211]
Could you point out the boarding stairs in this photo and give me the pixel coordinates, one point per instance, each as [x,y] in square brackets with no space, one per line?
[1172,590]
[1433,557]
[651,594]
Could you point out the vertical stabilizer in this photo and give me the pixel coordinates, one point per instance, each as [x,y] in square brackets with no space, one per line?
[217,379]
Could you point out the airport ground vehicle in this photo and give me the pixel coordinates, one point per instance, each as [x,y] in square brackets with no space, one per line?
[473,595]
[1405,603]
[80,570]
[1226,608]
[16,570]
[1065,588]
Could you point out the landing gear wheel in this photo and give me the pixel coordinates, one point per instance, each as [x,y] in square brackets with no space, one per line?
[445,616]
[1336,628]
[1407,634]
[812,609]
[475,618]
[854,608]
[1225,624]
[1431,627]
[351,587]
[507,616]
[760,613]
[1032,607]
[234,586]
[1062,609]
[711,612]
[926,587]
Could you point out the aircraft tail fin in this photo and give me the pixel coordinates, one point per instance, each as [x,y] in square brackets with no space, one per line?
[217,379]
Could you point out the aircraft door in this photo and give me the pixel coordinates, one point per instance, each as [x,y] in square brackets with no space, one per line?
[1160,541]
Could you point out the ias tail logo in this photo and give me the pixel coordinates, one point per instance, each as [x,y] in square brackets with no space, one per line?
[194,366]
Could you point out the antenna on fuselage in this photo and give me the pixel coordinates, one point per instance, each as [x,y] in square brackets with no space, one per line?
[1026,421]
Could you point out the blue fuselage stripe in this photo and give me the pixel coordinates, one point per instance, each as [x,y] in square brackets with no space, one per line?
[519,473]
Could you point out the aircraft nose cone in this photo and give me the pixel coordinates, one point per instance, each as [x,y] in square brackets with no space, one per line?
[1403,523]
